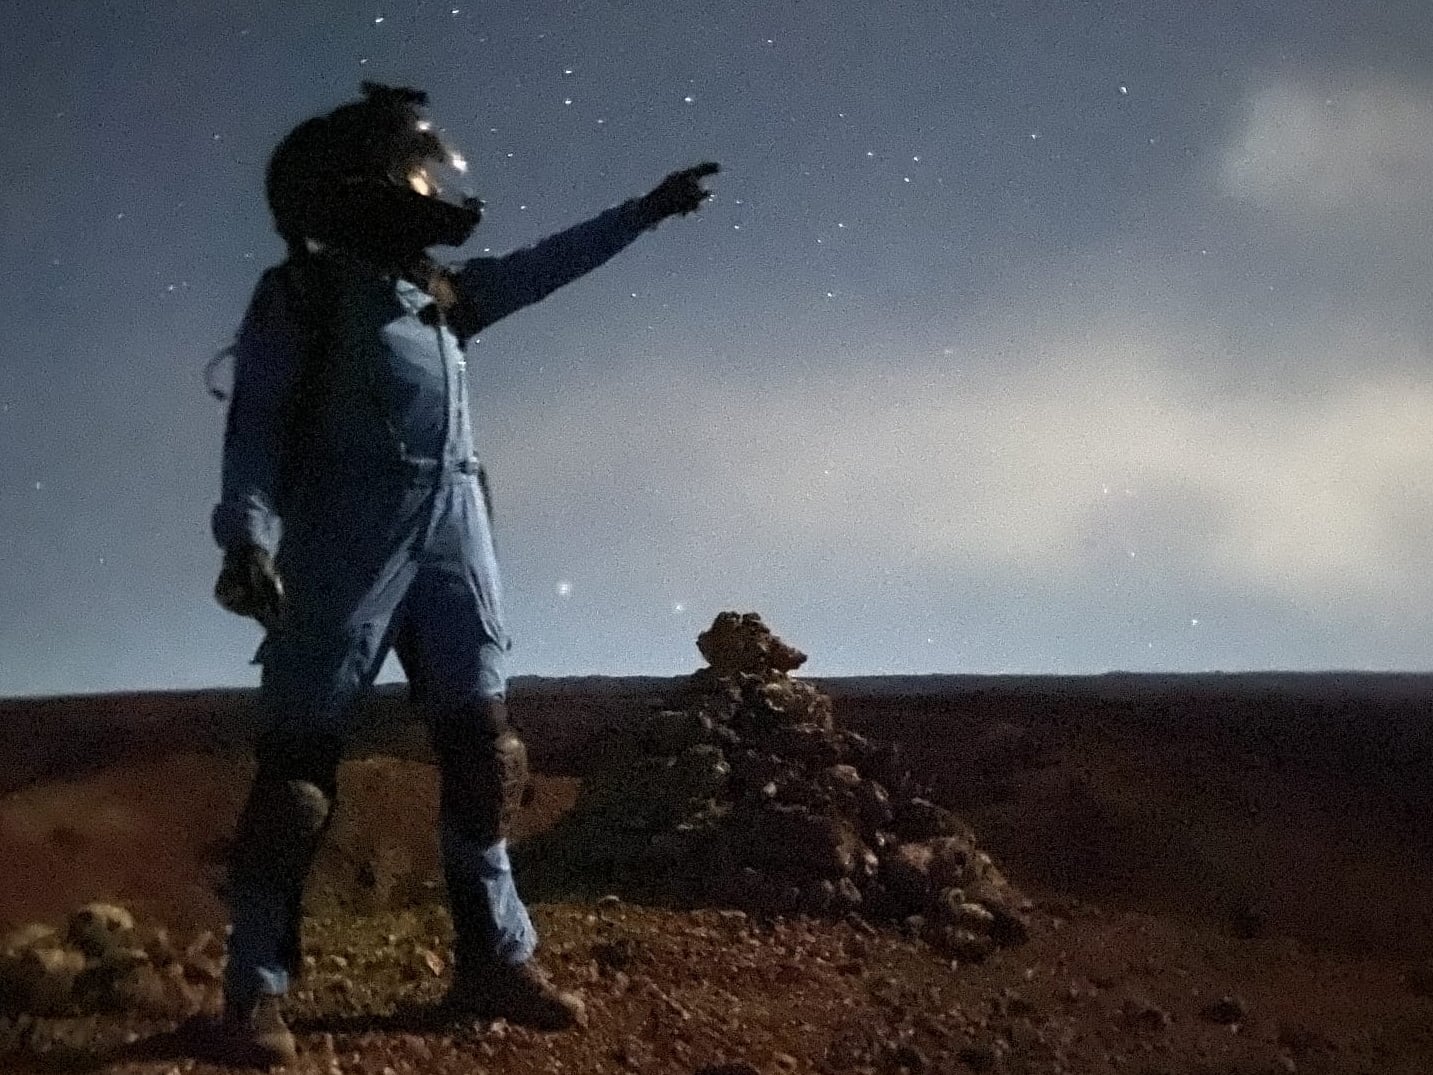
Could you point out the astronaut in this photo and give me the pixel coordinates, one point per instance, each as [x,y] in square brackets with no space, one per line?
[354,519]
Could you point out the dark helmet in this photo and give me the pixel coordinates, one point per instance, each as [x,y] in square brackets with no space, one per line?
[371,175]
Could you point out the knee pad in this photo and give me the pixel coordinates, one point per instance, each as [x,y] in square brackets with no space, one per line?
[278,833]
[484,771]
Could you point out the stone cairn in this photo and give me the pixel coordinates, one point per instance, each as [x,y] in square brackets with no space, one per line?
[748,795]
[102,961]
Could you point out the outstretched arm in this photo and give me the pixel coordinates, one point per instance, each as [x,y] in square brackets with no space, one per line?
[266,360]
[491,288]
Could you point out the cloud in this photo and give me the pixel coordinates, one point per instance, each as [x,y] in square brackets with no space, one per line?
[1107,446]
[1361,151]
[1120,434]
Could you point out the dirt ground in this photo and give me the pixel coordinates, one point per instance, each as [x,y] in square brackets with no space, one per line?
[1220,887]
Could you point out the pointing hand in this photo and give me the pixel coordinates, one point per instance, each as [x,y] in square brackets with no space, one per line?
[681,192]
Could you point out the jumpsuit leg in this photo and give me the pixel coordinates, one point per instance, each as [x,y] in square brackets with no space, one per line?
[279,832]
[313,682]
[452,643]
[347,564]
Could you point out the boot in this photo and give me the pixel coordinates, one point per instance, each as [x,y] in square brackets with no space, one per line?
[255,1035]
[522,993]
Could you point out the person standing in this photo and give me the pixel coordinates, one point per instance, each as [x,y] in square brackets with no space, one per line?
[355,519]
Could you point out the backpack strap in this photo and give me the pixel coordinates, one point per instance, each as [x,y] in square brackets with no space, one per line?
[312,289]
[308,292]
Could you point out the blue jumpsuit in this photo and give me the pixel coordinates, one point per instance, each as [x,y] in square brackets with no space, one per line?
[380,533]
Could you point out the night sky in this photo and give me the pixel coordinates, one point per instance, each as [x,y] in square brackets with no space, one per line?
[1018,337]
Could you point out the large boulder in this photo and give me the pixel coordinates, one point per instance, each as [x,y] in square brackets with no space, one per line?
[742,643]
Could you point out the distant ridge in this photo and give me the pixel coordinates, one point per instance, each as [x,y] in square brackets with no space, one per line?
[1120,683]
[1369,722]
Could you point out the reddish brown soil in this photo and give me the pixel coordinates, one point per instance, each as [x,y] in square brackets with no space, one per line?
[1176,857]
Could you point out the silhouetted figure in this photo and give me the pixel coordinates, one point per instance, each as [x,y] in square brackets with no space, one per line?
[354,519]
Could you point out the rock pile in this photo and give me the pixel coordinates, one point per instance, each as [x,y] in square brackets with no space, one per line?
[103,961]
[747,793]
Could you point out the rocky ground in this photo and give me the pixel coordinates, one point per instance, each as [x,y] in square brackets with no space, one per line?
[1198,903]
[719,992]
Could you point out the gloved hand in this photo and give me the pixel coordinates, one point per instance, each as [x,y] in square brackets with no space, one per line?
[681,192]
[250,586]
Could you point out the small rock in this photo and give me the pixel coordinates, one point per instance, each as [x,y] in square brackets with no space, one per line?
[35,934]
[785,1061]
[116,963]
[951,862]
[906,873]
[204,968]
[960,944]
[848,894]
[433,960]
[96,928]
[860,925]
[873,803]
[156,943]
[972,916]
[1010,927]
[40,980]
[785,837]
[416,1045]
[615,954]
[1226,1011]
[148,990]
